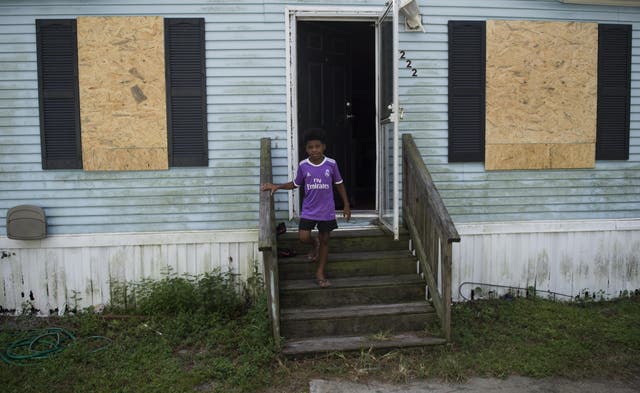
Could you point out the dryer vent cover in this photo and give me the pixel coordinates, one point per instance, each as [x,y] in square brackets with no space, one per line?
[26,222]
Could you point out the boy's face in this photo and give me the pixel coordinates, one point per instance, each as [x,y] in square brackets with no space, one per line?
[315,150]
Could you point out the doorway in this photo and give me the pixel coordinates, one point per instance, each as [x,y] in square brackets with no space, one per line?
[336,91]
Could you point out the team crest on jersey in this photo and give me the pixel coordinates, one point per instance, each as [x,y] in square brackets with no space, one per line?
[327,173]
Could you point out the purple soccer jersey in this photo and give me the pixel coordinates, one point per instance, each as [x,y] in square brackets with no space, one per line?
[318,181]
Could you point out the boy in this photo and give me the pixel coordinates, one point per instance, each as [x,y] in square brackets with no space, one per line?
[317,174]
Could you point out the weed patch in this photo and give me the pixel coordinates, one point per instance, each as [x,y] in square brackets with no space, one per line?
[178,334]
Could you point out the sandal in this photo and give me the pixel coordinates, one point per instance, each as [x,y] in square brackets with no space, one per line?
[286,253]
[323,283]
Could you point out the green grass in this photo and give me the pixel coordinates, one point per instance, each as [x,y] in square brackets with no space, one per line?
[199,334]
[184,333]
[498,338]
[540,338]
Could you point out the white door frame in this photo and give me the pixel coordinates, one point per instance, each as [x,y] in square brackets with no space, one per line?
[316,13]
[394,119]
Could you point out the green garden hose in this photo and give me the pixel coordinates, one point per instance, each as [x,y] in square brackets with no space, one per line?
[43,344]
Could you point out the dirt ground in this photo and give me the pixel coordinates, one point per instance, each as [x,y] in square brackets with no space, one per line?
[481,385]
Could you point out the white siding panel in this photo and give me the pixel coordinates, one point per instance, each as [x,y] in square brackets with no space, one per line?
[79,271]
[570,258]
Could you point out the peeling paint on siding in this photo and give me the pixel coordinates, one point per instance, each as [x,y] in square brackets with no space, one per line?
[570,261]
[52,279]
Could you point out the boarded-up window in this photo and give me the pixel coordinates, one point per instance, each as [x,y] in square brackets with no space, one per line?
[614,91]
[58,93]
[467,70]
[122,93]
[186,98]
[541,94]
[466,91]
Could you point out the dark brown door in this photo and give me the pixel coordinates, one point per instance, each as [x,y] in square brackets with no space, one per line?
[336,93]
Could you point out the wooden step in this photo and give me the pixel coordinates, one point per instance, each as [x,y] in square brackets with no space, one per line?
[352,290]
[376,298]
[356,319]
[353,343]
[350,241]
[350,264]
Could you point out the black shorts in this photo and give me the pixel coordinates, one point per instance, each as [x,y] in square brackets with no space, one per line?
[323,226]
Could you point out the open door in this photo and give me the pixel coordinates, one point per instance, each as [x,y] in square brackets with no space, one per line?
[388,117]
[341,73]
[336,92]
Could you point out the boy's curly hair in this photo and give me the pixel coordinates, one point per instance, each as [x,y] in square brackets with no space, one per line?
[314,134]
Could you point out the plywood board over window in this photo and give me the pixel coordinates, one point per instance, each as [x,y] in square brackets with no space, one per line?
[541,94]
[122,93]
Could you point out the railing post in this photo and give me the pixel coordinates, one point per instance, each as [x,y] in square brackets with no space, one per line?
[267,240]
[446,288]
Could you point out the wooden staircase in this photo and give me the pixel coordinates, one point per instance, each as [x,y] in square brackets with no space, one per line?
[376,300]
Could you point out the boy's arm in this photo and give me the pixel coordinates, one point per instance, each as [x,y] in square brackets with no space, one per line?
[275,187]
[345,201]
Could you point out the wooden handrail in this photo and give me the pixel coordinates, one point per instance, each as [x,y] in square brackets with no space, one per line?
[267,239]
[431,229]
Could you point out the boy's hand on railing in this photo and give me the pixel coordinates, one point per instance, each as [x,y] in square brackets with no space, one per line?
[269,187]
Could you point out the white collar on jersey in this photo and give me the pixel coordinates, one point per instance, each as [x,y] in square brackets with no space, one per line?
[316,165]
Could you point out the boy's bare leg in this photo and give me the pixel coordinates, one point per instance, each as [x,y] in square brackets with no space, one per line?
[323,255]
[306,238]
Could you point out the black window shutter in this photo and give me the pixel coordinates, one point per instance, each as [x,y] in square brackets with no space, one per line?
[614,92]
[466,91]
[58,93]
[186,91]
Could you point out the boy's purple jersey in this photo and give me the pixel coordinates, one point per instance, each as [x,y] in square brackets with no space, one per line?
[318,181]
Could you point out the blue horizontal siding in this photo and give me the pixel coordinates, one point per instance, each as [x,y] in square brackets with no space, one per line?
[610,190]
[246,101]
[246,87]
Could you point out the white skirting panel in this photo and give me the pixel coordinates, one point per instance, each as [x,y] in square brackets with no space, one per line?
[600,257]
[76,270]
